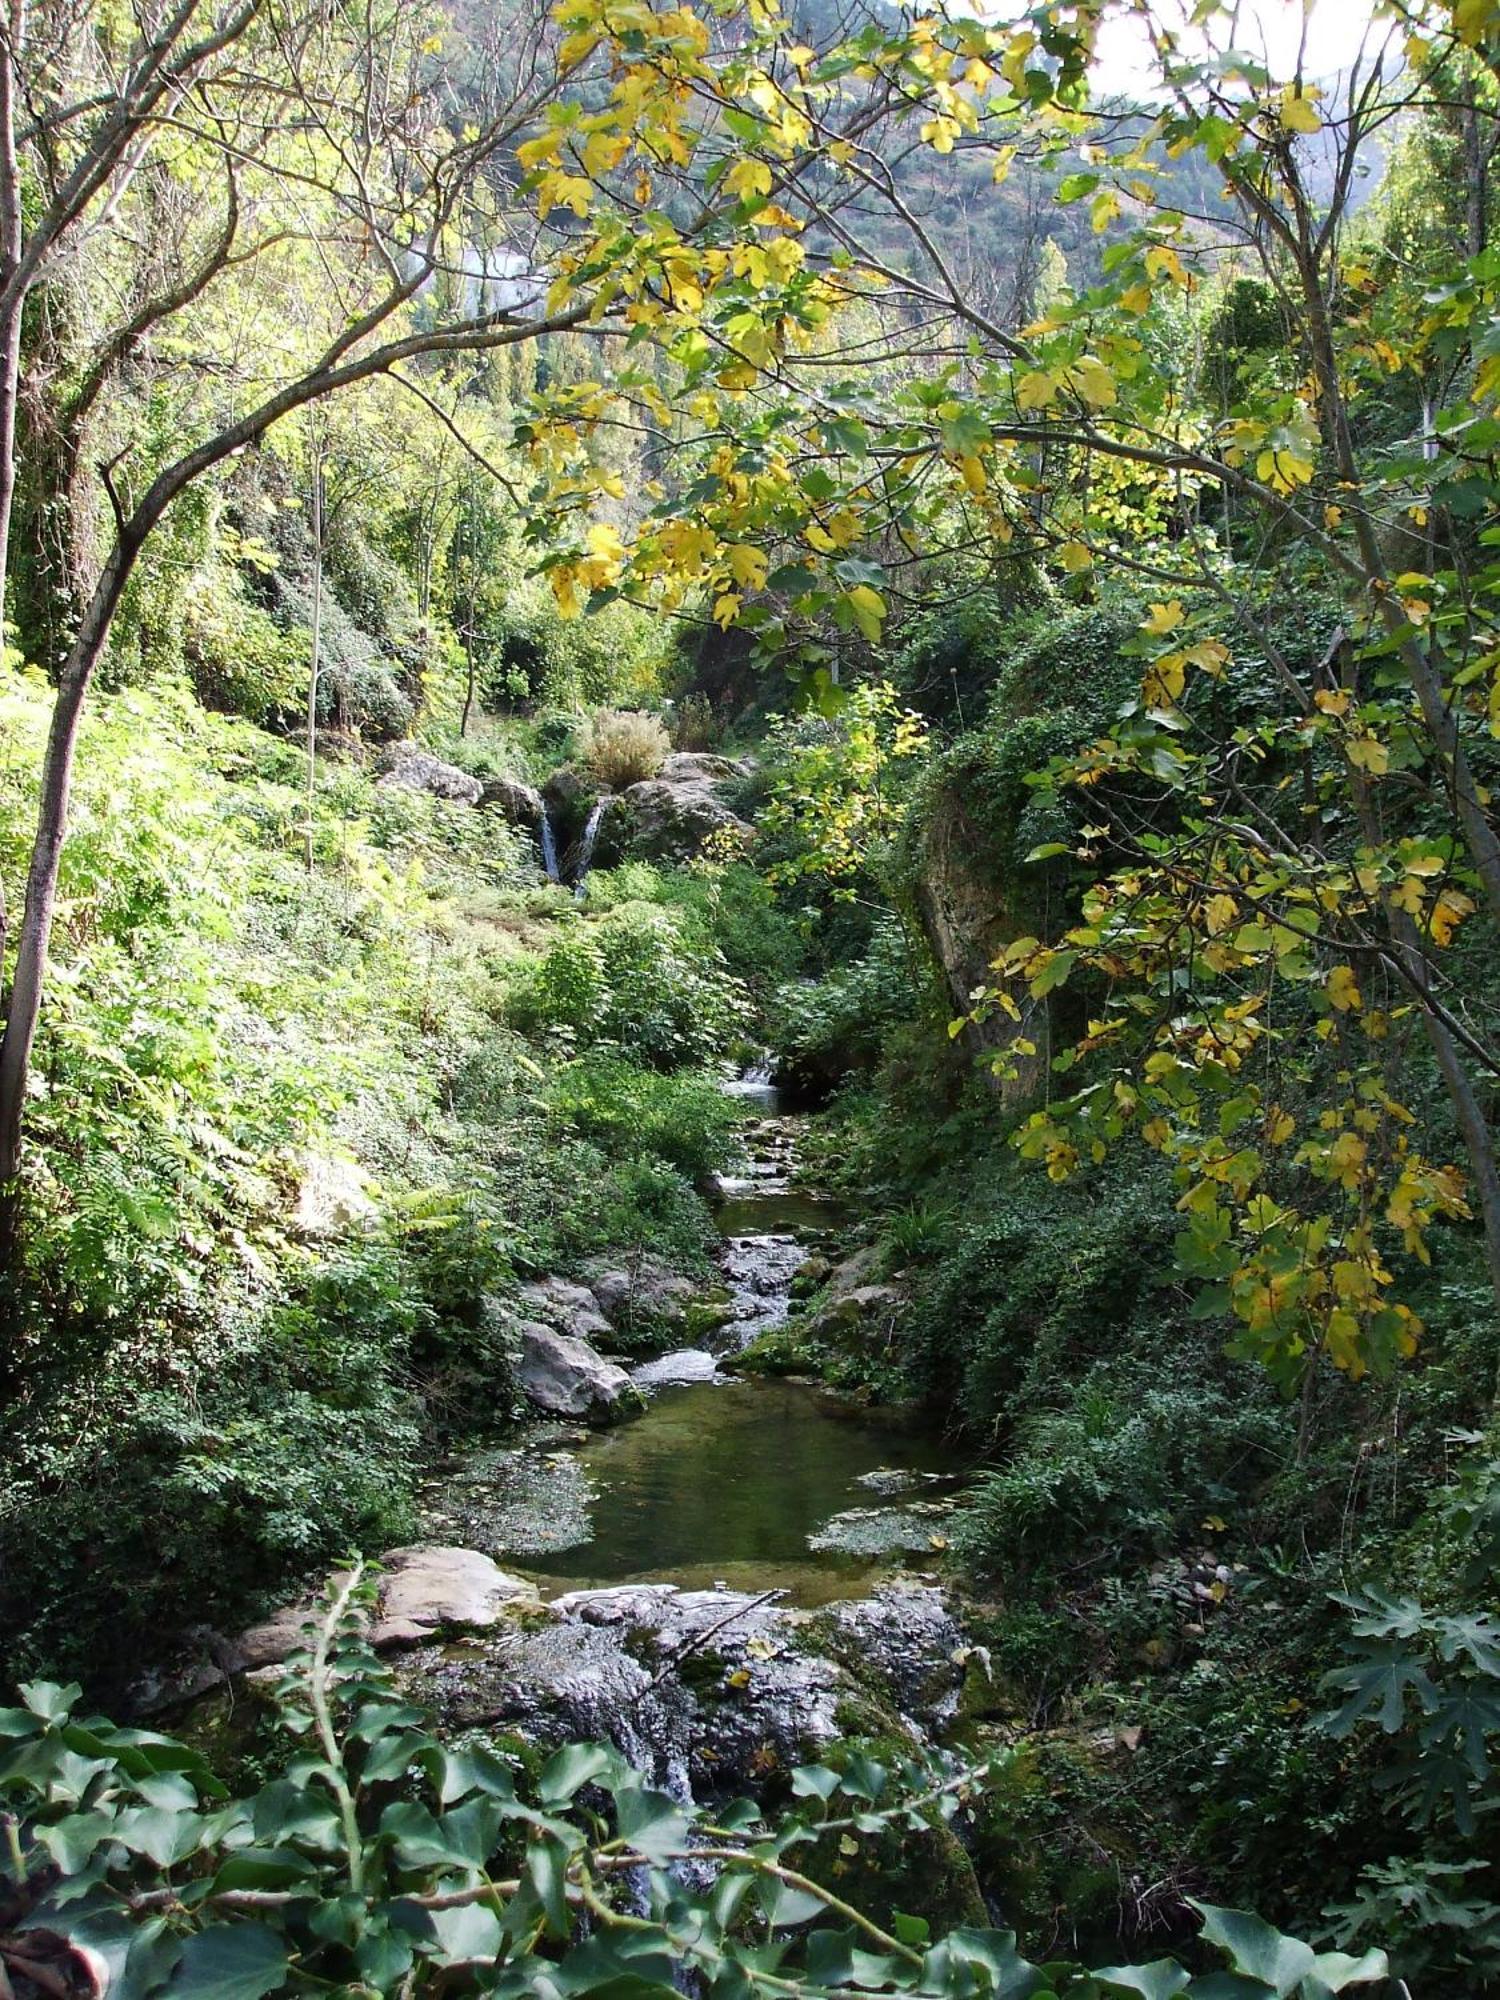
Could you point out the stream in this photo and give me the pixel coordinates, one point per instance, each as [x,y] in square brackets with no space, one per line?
[742,1482]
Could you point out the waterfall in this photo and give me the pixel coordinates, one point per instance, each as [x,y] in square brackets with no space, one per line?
[549,846]
[586,845]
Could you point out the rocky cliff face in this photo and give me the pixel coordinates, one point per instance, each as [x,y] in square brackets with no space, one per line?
[968,913]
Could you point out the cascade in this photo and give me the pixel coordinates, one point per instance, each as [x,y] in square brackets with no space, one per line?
[586,845]
[549,845]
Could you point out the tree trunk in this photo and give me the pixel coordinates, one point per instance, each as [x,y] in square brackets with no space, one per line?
[35,931]
[12,241]
[315,650]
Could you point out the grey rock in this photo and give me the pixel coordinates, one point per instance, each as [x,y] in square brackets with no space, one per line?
[701,766]
[648,1293]
[409,767]
[907,1636]
[571,1308]
[683,1364]
[666,821]
[519,803]
[568,1378]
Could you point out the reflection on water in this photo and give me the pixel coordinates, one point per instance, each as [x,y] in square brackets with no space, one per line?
[726,1481]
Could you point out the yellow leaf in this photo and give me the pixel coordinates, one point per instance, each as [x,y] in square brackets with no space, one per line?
[1298,113]
[974,475]
[1075,556]
[1163,261]
[1093,381]
[726,609]
[868,607]
[1163,618]
[1368,753]
[1343,989]
[748,566]
[1036,390]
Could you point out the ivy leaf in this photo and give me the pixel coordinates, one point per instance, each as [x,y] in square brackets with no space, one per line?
[1157,1981]
[653,1823]
[231,1962]
[1257,1948]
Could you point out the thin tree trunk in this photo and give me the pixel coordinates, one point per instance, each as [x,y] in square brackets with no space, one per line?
[12,243]
[35,931]
[315,649]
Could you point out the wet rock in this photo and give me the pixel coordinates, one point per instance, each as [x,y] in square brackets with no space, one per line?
[512,1502]
[907,1636]
[665,821]
[683,1364]
[568,1378]
[407,766]
[519,803]
[569,1308]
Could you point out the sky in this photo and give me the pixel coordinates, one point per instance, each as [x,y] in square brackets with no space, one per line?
[1273,28]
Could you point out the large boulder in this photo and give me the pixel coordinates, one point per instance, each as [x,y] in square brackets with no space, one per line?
[519,803]
[566,1307]
[409,767]
[648,1296]
[692,766]
[667,820]
[568,1378]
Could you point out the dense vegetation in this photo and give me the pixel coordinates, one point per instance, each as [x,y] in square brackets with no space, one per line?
[1053,537]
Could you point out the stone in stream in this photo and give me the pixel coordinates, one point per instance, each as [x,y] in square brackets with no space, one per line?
[684,1364]
[568,1378]
[424,1590]
[703,1690]
[884,1531]
[571,1309]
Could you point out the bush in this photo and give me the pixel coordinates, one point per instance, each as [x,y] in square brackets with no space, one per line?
[1128,1465]
[620,747]
[686,1119]
[631,979]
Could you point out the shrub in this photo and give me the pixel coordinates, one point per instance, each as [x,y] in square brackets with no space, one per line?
[695,724]
[633,980]
[621,746]
[686,1119]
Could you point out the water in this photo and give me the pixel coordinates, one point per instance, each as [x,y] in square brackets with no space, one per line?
[549,847]
[586,844]
[755,1484]
[727,1481]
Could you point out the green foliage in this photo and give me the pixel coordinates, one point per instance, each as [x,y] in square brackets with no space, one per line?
[631,979]
[381,1860]
[824,1032]
[682,1118]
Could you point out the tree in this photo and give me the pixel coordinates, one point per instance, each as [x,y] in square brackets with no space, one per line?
[1077,438]
[369,167]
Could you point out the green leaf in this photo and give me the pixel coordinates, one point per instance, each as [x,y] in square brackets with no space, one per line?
[653,1823]
[1257,1948]
[573,1767]
[1377,1686]
[1157,1981]
[230,1962]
